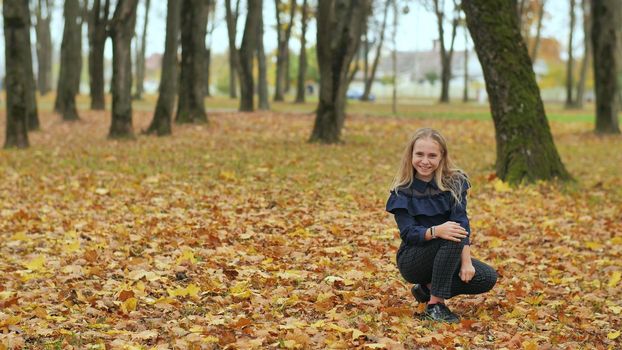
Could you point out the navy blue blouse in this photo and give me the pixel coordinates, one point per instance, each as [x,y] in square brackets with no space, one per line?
[423,205]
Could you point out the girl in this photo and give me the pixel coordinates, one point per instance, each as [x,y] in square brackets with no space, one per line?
[428,200]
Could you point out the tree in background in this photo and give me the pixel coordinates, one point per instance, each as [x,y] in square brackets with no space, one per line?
[570,62]
[43,15]
[246,55]
[606,17]
[262,83]
[121,30]
[438,7]
[97,30]
[370,74]
[211,26]
[283,33]
[339,29]
[161,123]
[587,53]
[302,58]
[140,56]
[525,147]
[191,106]
[231,17]
[33,114]
[70,62]
[17,48]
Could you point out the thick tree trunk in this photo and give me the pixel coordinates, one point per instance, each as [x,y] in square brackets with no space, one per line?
[98,21]
[70,62]
[302,58]
[372,74]
[121,29]
[231,17]
[587,53]
[44,46]
[525,147]
[161,123]
[606,17]
[536,42]
[339,23]
[570,62]
[284,31]
[262,88]
[247,49]
[16,49]
[140,57]
[191,105]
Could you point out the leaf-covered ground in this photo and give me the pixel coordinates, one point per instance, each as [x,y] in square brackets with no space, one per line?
[240,234]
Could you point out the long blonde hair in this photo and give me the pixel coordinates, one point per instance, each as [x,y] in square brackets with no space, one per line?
[447,176]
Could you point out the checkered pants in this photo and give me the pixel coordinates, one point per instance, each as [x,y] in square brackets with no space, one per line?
[438,262]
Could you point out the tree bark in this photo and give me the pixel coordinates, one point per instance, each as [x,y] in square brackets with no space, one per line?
[526,151]
[33,113]
[446,55]
[231,17]
[536,43]
[191,106]
[16,49]
[372,74]
[302,58]
[44,46]
[396,14]
[465,91]
[161,123]
[587,53]
[140,57]
[121,30]
[570,63]
[70,62]
[247,49]
[262,89]
[211,19]
[606,17]
[283,32]
[340,24]
[97,24]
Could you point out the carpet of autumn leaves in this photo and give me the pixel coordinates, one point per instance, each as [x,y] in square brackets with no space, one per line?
[239,234]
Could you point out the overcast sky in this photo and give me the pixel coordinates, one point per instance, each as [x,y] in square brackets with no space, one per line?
[416,30]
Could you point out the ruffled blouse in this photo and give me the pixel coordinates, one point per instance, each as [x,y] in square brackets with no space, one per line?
[423,205]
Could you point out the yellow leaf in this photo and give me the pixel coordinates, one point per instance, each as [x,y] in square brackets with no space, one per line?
[356,334]
[187,254]
[501,186]
[530,345]
[615,278]
[36,263]
[613,335]
[129,305]
[72,246]
[227,175]
[617,240]
[193,290]
[210,339]
[20,236]
[593,245]
[615,309]
[101,191]
[240,290]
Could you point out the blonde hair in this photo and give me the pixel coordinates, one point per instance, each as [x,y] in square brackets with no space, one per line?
[447,176]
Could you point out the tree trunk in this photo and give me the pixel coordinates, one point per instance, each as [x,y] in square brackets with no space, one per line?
[191,106]
[340,24]
[161,123]
[446,56]
[587,52]
[234,60]
[33,113]
[302,58]
[247,49]
[570,63]
[44,46]
[98,21]
[70,63]
[396,14]
[284,31]
[140,57]
[606,17]
[121,30]
[262,89]
[16,39]
[372,75]
[211,19]
[525,147]
[536,43]
[465,91]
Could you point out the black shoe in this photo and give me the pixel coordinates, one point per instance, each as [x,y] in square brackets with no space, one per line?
[421,293]
[440,312]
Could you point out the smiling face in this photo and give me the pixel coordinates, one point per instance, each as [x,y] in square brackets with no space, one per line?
[427,156]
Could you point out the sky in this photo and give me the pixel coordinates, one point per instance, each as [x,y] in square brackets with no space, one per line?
[416,30]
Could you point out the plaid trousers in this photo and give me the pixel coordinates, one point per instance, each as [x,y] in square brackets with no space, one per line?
[438,262]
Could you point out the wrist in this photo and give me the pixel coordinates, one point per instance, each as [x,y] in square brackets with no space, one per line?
[433,232]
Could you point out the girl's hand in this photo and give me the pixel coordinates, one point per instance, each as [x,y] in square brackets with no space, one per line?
[451,231]
[467,271]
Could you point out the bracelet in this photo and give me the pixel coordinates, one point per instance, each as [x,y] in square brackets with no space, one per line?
[433,233]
